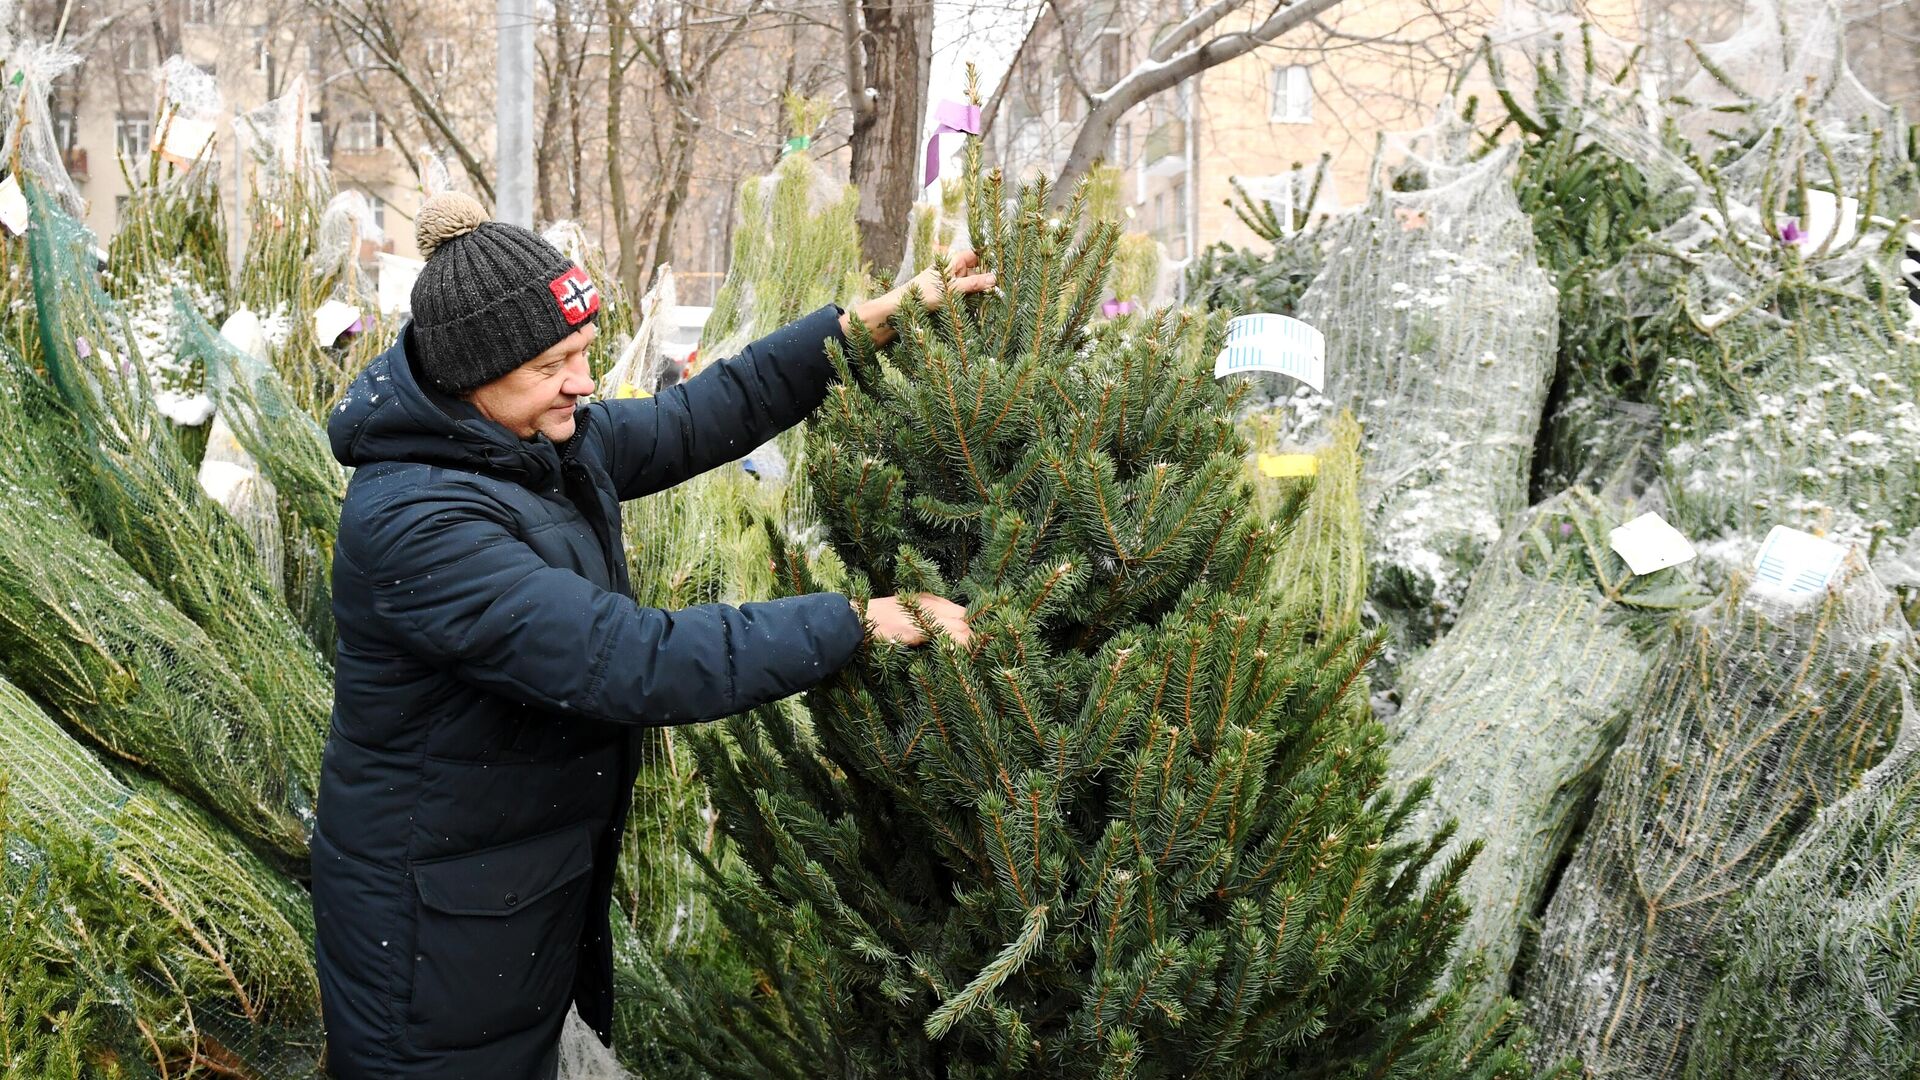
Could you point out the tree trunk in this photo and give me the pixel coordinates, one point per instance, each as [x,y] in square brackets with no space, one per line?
[680,165]
[898,52]
[616,171]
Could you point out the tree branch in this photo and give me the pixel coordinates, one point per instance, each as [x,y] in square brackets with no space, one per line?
[1193,26]
[992,108]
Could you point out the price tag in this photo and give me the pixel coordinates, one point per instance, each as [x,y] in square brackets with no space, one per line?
[397,275]
[333,319]
[628,390]
[1796,563]
[1277,465]
[1648,543]
[1274,343]
[182,140]
[1830,219]
[13,205]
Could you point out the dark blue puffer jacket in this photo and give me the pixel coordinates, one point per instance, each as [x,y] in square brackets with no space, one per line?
[491,679]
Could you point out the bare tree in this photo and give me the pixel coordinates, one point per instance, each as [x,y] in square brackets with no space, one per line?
[1195,44]
[381,28]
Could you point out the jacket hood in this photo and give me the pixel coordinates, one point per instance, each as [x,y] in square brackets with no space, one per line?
[390,414]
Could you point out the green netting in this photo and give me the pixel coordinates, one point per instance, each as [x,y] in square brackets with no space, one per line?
[1440,337]
[111,657]
[1759,712]
[144,498]
[1510,716]
[231,933]
[1823,959]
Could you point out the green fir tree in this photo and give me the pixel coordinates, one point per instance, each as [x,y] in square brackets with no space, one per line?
[1138,828]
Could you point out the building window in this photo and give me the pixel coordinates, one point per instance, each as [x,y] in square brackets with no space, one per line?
[316,133]
[136,55]
[360,134]
[63,128]
[263,54]
[440,56]
[1108,49]
[200,12]
[1291,99]
[1123,144]
[1067,96]
[133,134]
[359,56]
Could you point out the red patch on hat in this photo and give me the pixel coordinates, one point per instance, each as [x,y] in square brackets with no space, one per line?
[577,297]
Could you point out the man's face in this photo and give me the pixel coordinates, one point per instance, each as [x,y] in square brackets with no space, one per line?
[539,396]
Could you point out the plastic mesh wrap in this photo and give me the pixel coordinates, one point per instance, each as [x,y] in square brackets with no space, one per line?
[31,141]
[294,461]
[640,368]
[795,248]
[1512,714]
[1757,714]
[144,497]
[233,929]
[1823,956]
[114,659]
[1440,337]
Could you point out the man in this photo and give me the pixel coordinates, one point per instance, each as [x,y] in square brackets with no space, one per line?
[493,674]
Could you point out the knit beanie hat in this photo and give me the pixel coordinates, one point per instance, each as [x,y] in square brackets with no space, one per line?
[491,297]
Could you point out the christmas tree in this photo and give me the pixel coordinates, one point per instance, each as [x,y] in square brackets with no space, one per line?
[1138,829]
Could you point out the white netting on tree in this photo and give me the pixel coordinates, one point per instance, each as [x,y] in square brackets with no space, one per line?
[641,367]
[795,248]
[1440,339]
[1758,713]
[1512,714]
[31,139]
[280,145]
[1822,958]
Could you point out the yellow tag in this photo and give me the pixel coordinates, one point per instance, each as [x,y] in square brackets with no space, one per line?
[628,390]
[1288,465]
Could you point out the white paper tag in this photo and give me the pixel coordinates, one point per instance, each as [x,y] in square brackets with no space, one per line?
[1648,543]
[397,275]
[13,205]
[1795,563]
[183,139]
[1274,343]
[1828,216]
[333,319]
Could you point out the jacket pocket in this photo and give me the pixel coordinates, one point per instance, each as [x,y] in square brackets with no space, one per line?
[498,938]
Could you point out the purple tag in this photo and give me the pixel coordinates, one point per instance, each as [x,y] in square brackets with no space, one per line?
[80,346]
[1115,308]
[951,116]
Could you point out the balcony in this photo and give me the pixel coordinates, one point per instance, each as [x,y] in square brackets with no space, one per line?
[1165,153]
[77,164]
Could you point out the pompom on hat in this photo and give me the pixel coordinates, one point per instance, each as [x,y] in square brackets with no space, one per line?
[491,297]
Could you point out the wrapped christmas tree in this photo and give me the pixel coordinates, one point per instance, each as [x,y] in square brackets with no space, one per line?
[138,490]
[1440,329]
[1510,716]
[1760,710]
[168,925]
[1822,956]
[1138,828]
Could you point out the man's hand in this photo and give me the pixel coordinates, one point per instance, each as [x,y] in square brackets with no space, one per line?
[892,622]
[877,311]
